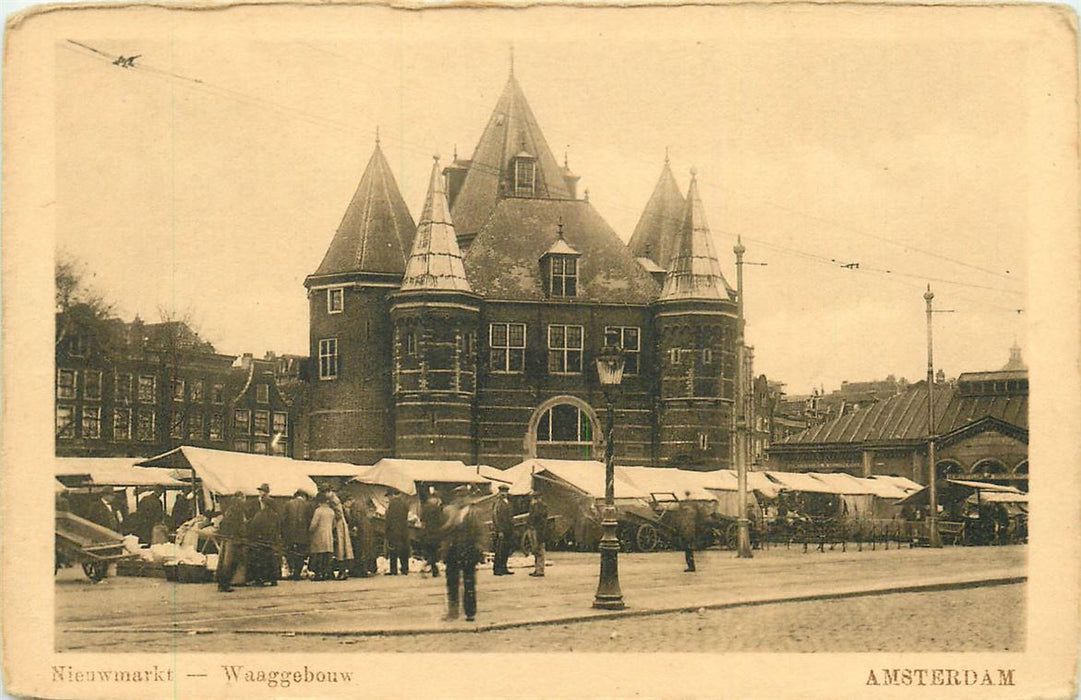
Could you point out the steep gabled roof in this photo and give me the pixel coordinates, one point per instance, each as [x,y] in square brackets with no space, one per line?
[376,233]
[504,260]
[694,271]
[511,129]
[436,260]
[658,228]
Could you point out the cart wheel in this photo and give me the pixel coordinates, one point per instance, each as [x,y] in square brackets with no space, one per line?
[94,572]
[526,543]
[626,538]
[731,536]
[646,538]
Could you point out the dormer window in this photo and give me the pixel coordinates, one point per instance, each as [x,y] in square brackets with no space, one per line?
[564,276]
[525,175]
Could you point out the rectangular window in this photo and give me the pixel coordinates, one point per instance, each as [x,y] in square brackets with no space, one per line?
[281,424]
[77,345]
[217,394]
[630,340]
[506,342]
[92,385]
[178,386]
[122,395]
[259,447]
[278,445]
[217,427]
[147,389]
[262,393]
[565,349]
[564,277]
[196,390]
[675,355]
[122,423]
[195,426]
[328,358]
[335,300]
[176,425]
[524,177]
[65,383]
[240,446]
[92,422]
[707,356]
[410,343]
[242,421]
[65,421]
[262,422]
[144,425]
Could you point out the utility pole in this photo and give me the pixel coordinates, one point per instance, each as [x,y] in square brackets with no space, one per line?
[932,518]
[739,417]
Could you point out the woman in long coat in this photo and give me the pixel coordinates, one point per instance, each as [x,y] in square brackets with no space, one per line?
[343,543]
[321,546]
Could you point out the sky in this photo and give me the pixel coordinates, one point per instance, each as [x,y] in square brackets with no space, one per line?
[893,142]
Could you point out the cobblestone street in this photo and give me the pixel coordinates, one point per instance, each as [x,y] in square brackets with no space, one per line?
[782,600]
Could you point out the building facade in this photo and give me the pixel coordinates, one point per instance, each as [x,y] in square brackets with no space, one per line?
[471,334]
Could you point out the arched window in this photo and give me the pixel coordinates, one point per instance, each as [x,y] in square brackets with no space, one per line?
[948,469]
[1021,468]
[564,423]
[989,468]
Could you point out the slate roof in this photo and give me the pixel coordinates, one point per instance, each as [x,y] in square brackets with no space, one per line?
[376,233]
[904,417]
[658,228]
[503,262]
[511,128]
[694,271]
[435,261]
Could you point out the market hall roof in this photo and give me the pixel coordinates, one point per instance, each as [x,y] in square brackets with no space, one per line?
[512,129]
[694,273]
[376,233]
[436,261]
[903,417]
[503,261]
[658,228]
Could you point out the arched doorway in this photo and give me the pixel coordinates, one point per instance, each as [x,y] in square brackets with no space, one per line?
[989,469]
[563,427]
[948,469]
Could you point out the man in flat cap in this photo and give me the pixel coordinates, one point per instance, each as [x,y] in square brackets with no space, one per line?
[503,531]
[264,532]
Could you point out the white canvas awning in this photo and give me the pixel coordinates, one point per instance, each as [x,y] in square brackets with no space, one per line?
[662,480]
[586,476]
[225,473]
[404,474]
[109,471]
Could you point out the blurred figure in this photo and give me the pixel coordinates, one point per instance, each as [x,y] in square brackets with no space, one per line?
[150,514]
[538,521]
[503,532]
[397,534]
[232,528]
[321,542]
[295,521]
[358,517]
[463,538]
[183,509]
[265,537]
[686,526]
[431,521]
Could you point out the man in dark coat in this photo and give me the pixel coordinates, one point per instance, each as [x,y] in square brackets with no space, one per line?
[538,523]
[103,512]
[463,548]
[431,534]
[397,534]
[233,528]
[265,537]
[295,521]
[359,518]
[149,513]
[503,530]
[183,509]
[687,524]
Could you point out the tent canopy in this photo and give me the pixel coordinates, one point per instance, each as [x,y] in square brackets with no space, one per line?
[109,471]
[796,481]
[844,484]
[225,473]
[404,474]
[586,476]
[502,476]
[666,480]
[952,491]
[905,484]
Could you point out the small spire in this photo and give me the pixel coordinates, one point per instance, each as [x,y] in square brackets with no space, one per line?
[694,172]
[376,134]
[666,155]
[560,227]
[455,153]
[512,60]
[565,166]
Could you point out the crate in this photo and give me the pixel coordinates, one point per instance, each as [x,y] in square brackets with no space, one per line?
[141,568]
[192,573]
[170,571]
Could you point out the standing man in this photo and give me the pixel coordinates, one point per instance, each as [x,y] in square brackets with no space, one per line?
[150,513]
[687,524]
[431,521]
[105,514]
[183,509]
[295,521]
[233,528]
[397,527]
[359,519]
[464,546]
[264,532]
[538,522]
[321,542]
[503,526]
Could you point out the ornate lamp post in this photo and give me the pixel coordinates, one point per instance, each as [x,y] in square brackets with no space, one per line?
[610,363]
[739,415]
[933,537]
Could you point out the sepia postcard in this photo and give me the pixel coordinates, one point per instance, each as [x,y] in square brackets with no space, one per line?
[451,350]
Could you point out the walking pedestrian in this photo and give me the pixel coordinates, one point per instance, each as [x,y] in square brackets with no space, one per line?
[686,525]
[295,537]
[503,530]
[463,538]
[231,551]
[538,522]
[265,541]
[397,534]
[431,534]
[321,541]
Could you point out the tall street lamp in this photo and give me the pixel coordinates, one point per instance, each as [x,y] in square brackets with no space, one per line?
[610,362]
[739,418]
[933,538]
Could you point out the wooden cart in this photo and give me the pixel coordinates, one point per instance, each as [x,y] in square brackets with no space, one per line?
[80,541]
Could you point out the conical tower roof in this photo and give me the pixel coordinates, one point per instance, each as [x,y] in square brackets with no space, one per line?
[694,272]
[658,228]
[436,261]
[376,233]
[512,129]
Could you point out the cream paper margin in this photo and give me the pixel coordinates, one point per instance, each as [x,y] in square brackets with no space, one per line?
[1046,669]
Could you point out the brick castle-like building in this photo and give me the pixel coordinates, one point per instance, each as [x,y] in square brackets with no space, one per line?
[471,334]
